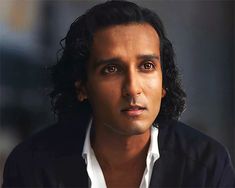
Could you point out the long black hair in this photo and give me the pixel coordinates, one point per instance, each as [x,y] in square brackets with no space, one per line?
[71,66]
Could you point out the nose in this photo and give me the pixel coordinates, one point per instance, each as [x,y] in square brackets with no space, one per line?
[131,84]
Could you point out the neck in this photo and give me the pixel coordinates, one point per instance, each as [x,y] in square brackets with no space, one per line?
[116,151]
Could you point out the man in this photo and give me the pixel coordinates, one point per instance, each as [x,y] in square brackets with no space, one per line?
[118,98]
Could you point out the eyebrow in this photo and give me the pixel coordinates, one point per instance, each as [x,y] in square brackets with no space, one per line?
[117,60]
[106,61]
[151,57]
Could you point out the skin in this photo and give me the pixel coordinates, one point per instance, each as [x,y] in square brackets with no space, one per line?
[124,88]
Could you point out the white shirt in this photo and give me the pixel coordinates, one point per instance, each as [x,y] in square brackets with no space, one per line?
[96,177]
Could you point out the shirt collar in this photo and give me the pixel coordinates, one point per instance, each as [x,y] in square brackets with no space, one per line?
[87,150]
[153,151]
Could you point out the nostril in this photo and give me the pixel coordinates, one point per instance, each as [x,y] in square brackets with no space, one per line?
[131,89]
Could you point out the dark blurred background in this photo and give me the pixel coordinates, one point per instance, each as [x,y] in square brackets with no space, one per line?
[202,33]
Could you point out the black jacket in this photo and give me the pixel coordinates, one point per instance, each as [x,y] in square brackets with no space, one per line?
[52,158]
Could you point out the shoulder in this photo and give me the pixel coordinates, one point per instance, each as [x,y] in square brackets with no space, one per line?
[29,156]
[177,137]
[51,140]
[44,152]
[200,156]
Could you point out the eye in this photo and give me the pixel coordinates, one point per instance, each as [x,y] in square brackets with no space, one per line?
[148,65]
[109,69]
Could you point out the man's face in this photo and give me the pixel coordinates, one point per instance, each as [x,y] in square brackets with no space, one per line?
[124,85]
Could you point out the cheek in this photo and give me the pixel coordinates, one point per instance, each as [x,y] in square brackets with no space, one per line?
[154,97]
[102,95]
[153,93]
[153,88]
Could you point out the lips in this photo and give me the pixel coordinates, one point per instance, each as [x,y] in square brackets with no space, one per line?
[134,110]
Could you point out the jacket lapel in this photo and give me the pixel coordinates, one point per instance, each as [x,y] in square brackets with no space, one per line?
[71,172]
[168,170]
[69,166]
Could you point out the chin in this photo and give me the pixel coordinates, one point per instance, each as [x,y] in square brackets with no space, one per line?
[140,129]
[129,126]
[135,129]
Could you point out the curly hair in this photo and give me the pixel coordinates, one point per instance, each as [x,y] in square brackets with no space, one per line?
[71,66]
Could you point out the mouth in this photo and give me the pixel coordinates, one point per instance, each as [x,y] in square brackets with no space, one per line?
[133,110]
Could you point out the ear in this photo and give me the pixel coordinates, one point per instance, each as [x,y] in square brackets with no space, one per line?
[81,91]
[163,92]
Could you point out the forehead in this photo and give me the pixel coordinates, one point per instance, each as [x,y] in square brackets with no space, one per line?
[126,29]
[129,38]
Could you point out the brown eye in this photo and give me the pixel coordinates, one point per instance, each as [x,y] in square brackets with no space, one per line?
[110,69]
[148,66]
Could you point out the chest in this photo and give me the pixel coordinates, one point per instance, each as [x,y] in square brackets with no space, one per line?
[124,178]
